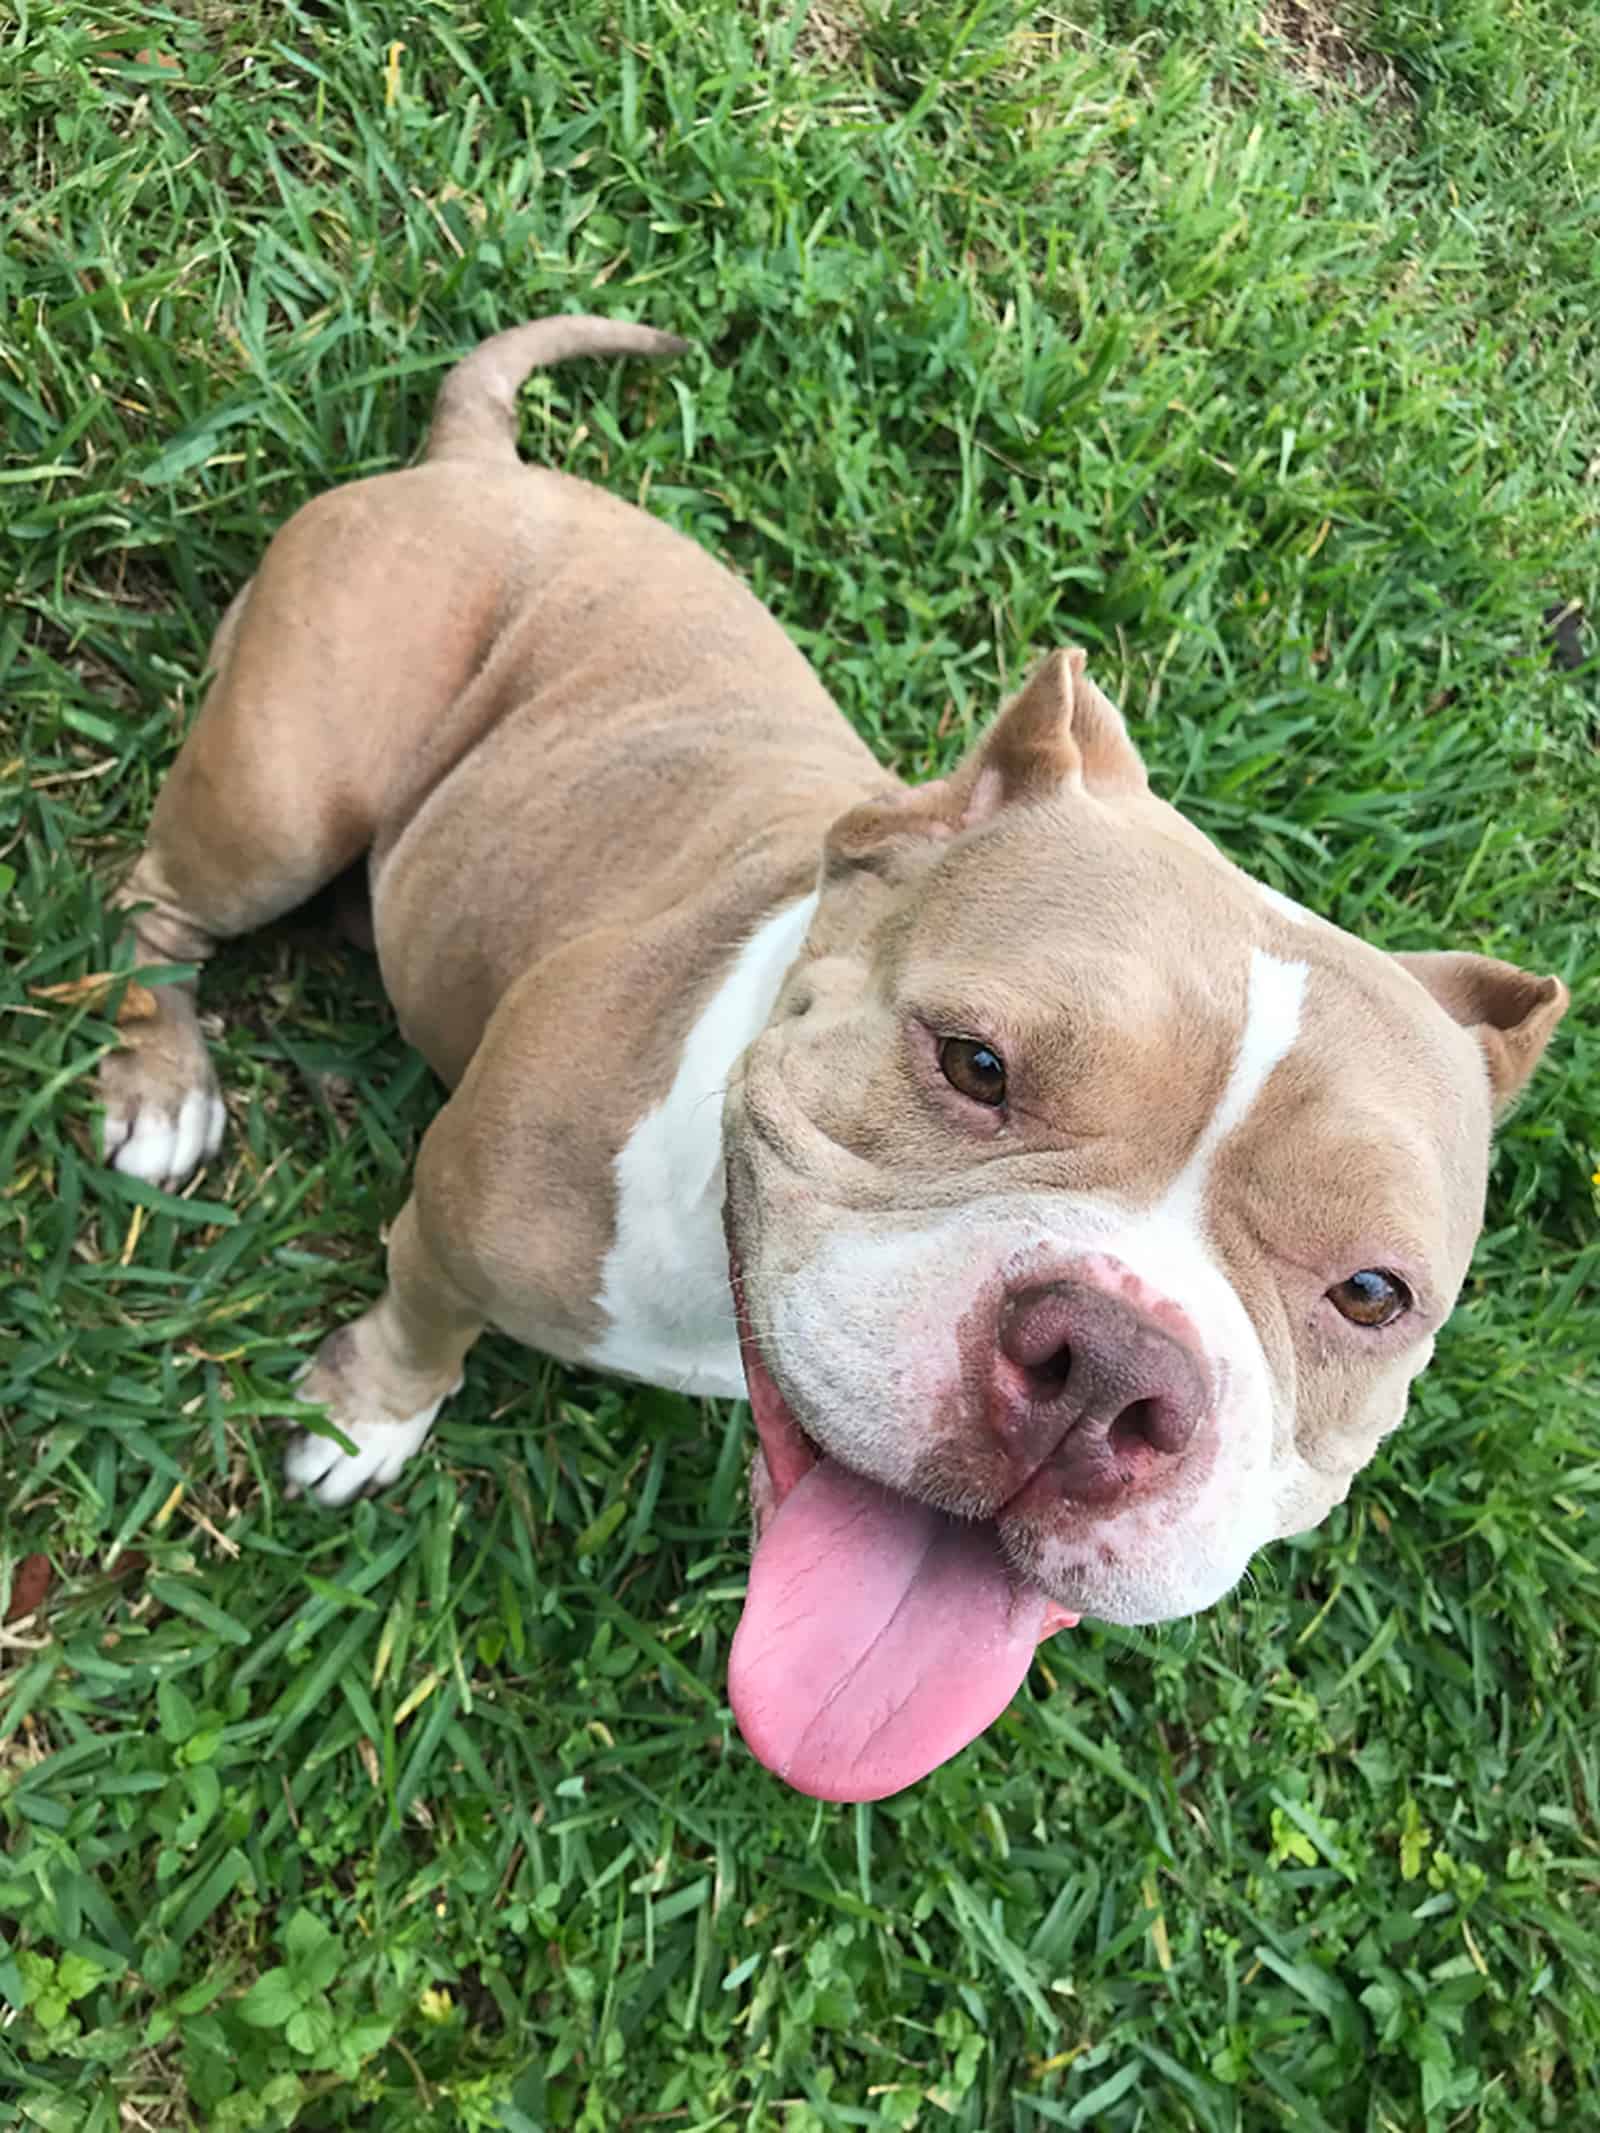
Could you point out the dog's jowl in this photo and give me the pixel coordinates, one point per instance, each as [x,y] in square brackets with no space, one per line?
[1077,1211]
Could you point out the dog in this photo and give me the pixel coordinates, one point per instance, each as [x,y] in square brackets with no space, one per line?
[1075,1210]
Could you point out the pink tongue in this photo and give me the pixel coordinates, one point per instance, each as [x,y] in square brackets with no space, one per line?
[878,1638]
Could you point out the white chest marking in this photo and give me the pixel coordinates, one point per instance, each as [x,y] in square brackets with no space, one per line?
[664,1284]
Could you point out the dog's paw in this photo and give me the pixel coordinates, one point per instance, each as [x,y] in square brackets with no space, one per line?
[162,1146]
[322,1469]
[385,1410]
[162,1114]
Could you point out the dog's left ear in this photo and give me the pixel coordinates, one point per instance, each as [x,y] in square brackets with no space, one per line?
[1511,1012]
[1060,735]
[1060,732]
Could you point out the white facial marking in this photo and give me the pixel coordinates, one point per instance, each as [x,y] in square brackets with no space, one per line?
[866,1334]
[1271,1024]
[664,1285]
[330,1474]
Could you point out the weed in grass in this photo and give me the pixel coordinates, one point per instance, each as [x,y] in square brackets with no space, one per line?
[1018,328]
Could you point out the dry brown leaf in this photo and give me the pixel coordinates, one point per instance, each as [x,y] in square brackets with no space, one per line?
[139,1003]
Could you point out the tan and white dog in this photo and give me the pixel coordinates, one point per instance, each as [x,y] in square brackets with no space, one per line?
[1077,1210]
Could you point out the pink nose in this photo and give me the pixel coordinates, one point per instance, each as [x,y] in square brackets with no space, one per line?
[1093,1396]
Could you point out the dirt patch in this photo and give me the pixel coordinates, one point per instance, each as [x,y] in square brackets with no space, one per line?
[830,36]
[1322,46]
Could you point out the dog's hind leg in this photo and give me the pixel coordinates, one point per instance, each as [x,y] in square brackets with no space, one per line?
[335,669]
[163,1111]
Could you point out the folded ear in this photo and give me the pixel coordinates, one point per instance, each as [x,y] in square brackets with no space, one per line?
[1510,1011]
[1061,734]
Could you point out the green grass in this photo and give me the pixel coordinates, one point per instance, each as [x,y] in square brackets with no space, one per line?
[1108,324]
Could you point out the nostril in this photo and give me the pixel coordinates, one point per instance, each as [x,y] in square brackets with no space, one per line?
[1047,1376]
[1140,1423]
[1156,1424]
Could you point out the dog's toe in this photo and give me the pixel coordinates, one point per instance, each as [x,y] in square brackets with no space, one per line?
[322,1469]
[189,1131]
[116,1126]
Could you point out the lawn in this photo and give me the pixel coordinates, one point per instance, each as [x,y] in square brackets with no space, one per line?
[1255,350]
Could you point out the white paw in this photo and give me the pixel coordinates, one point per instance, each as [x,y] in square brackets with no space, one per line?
[165,1147]
[325,1470]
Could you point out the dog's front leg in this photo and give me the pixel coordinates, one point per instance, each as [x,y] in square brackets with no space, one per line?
[508,1224]
[384,1378]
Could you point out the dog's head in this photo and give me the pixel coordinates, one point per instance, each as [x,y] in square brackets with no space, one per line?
[1091,1209]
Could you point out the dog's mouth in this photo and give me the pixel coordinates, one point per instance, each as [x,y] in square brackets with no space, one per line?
[879,1635]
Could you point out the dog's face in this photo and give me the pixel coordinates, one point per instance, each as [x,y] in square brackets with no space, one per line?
[1091,1211]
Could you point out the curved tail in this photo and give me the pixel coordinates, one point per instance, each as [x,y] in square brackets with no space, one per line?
[475,416]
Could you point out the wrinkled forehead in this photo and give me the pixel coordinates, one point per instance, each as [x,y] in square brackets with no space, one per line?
[1123,935]
[1044,889]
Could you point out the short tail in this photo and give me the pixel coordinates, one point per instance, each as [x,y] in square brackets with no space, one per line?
[476,413]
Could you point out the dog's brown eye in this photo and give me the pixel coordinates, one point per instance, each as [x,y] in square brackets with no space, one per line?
[1370,1298]
[977,1070]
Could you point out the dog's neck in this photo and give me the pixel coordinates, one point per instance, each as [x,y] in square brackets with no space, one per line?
[665,1279]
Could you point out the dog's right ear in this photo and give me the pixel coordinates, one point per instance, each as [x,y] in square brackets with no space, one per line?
[1511,1012]
[1061,735]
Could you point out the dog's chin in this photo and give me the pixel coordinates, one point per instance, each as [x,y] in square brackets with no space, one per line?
[1132,1585]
